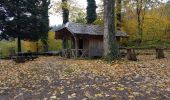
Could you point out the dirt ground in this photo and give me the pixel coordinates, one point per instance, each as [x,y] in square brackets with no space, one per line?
[57,78]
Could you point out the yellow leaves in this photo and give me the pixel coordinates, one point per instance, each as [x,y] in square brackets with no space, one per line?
[86,86]
[148,92]
[53,97]
[131,97]
[114,82]
[48,79]
[113,88]
[40,69]
[120,88]
[72,96]
[154,98]
[114,97]
[29,46]
[88,95]
[65,5]
[54,93]
[52,42]
[45,98]
[155,24]
[116,65]
[136,93]
[62,92]
[44,69]
[99,95]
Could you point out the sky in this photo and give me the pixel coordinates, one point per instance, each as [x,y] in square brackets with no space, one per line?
[57,19]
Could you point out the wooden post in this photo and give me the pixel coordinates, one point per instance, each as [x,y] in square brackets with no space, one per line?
[63,40]
[131,54]
[63,47]
[37,46]
[160,53]
[76,47]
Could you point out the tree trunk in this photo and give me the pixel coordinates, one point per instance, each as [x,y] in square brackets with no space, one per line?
[65,11]
[139,26]
[160,53]
[19,44]
[46,47]
[111,50]
[45,43]
[140,19]
[131,55]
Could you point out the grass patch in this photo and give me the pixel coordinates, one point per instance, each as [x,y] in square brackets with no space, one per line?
[7,48]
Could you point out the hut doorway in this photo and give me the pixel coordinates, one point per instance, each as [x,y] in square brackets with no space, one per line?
[80,43]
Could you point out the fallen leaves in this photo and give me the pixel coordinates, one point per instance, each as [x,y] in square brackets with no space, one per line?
[53,97]
[88,95]
[120,88]
[47,70]
[99,95]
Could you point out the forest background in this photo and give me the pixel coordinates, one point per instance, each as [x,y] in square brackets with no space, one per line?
[155,24]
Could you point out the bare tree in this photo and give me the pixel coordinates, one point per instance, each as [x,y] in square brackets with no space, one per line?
[141,7]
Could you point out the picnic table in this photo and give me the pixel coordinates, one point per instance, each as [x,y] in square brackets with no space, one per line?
[21,57]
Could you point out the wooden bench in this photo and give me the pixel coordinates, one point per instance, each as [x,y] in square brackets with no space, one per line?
[131,55]
[18,59]
[22,57]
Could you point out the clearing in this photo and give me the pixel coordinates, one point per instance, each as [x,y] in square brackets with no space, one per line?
[60,78]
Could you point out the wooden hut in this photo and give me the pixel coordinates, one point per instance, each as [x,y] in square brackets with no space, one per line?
[80,40]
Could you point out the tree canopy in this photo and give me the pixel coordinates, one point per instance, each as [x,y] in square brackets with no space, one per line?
[91,11]
[24,19]
[65,11]
[70,9]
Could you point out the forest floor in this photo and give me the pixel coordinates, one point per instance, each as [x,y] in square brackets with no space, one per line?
[55,78]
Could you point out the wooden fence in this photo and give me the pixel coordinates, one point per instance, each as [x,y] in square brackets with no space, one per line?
[133,52]
[74,53]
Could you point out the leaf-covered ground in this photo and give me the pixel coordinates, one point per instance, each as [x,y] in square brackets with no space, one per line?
[55,78]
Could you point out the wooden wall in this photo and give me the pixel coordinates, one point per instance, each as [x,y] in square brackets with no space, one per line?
[96,46]
[93,43]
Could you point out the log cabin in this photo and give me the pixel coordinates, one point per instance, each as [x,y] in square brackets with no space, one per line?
[82,40]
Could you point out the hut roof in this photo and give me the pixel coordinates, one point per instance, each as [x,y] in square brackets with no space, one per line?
[77,28]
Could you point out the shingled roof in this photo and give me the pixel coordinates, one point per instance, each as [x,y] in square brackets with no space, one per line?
[77,28]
